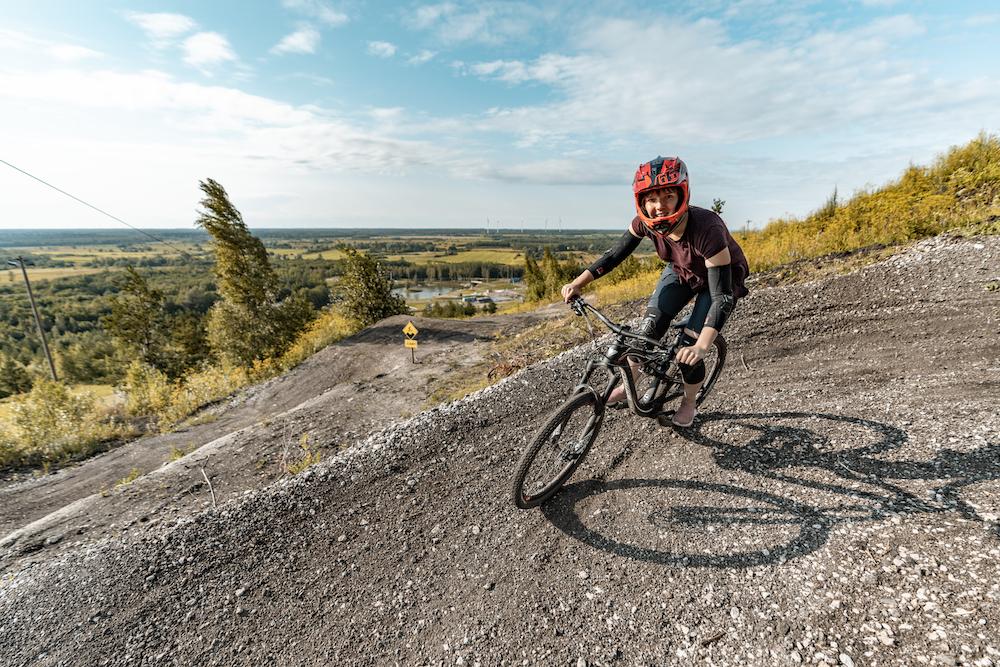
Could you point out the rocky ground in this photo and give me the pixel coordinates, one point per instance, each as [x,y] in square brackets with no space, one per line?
[837,502]
[339,395]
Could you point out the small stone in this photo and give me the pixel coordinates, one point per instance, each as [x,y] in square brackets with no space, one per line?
[580,662]
[734,613]
[846,660]
[583,575]
[342,538]
[475,530]
[240,592]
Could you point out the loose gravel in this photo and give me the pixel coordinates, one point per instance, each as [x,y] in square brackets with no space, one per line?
[836,503]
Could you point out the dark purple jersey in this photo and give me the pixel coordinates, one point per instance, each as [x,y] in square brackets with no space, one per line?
[706,235]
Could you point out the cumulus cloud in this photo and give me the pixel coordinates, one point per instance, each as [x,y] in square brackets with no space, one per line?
[304,40]
[207,50]
[162,28]
[421,57]
[382,49]
[480,22]
[717,90]
[11,40]
[318,10]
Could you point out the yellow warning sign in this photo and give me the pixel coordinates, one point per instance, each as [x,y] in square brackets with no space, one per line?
[410,343]
[410,330]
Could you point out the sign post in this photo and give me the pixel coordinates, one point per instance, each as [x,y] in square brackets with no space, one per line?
[410,332]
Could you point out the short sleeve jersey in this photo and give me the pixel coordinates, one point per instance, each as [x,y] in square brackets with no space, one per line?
[706,235]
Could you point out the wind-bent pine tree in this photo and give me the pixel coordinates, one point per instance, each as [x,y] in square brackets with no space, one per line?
[138,322]
[367,289]
[248,323]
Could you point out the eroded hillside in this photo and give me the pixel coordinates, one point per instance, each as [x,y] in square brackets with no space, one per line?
[837,502]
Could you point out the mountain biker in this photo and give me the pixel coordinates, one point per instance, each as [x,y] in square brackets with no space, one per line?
[704,262]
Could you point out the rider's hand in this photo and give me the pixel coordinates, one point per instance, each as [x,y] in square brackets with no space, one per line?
[569,291]
[690,355]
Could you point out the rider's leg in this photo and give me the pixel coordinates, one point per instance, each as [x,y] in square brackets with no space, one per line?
[669,297]
[694,375]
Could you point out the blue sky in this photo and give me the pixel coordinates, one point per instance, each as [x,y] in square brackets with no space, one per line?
[316,113]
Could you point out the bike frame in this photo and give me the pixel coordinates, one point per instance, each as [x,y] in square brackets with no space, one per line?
[616,362]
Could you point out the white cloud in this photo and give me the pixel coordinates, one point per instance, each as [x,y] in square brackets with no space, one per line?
[318,10]
[206,50]
[304,40]
[71,53]
[484,22]
[382,49]
[11,40]
[716,90]
[879,3]
[162,28]
[421,57]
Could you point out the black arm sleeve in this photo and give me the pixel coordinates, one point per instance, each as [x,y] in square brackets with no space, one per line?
[612,258]
[720,286]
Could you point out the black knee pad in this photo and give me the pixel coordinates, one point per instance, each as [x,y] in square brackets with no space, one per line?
[693,374]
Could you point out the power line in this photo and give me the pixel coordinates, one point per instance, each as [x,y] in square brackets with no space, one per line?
[101,211]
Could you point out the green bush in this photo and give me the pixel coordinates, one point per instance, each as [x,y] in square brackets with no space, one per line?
[52,424]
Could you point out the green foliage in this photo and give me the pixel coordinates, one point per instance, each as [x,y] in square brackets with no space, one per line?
[717,205]
[249,323]
[449,309]
[367,290]
[138,323]
[52,424]
[14,378]
[307,457]
[960,189]
[545,280]
[534,279]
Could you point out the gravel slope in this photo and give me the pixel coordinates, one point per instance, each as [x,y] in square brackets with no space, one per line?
[837,503]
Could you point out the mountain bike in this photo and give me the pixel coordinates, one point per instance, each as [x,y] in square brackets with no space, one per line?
[561,444]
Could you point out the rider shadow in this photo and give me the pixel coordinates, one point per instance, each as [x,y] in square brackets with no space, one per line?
[772,452]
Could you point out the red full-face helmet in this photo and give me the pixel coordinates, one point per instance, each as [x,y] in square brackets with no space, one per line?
[663,172]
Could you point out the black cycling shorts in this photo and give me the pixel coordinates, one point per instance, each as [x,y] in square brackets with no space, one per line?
[669,299]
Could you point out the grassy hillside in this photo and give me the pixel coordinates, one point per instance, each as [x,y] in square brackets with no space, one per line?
[961,188]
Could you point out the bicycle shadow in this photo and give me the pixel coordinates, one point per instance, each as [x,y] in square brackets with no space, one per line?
[771,452]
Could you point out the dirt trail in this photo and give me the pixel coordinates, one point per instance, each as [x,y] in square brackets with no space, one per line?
[837,503]
[350,389]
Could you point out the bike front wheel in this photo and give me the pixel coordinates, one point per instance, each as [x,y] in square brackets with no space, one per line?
[557,449]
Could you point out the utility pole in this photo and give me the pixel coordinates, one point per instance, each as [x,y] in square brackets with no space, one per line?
[34,309]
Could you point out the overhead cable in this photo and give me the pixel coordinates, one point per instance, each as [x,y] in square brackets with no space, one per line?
[101,211]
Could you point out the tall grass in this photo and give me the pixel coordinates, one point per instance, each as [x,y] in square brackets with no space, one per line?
[960,188]
[52,424]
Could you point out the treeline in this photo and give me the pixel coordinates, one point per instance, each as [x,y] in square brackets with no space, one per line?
[176,359]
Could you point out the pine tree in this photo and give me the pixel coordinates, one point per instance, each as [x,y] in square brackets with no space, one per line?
[534,279]
[14,378]
[248,323]
[367,289]
[137,321]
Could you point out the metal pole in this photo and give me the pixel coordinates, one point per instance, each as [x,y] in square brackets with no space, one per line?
[38,320]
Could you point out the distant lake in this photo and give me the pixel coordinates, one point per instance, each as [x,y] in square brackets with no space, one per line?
[425,291]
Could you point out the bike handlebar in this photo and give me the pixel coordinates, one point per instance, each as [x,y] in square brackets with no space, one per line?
[580,307]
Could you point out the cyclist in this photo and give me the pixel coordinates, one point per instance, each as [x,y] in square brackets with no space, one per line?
[704,262]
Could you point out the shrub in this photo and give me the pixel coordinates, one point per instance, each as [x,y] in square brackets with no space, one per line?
[51,424]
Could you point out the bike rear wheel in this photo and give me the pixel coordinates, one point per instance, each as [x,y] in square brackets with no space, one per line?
[714,361]
[557,449]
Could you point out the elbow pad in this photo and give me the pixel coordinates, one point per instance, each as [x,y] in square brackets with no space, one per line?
[615,256]
[720,287]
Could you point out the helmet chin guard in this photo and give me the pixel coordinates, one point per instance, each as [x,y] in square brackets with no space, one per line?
[663,172]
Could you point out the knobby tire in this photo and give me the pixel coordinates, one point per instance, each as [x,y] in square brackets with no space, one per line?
[595,414]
